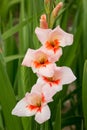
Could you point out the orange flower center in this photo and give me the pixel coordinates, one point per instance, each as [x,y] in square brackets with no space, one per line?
[36,102]
[52,45]
[51,80]
[41,61]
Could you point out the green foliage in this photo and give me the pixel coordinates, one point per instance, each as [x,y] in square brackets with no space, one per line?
[7,98]
[84,93]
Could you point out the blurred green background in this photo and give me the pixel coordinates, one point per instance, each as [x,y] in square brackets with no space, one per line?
[18,20]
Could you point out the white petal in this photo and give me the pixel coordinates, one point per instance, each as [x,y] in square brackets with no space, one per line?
[47,71]
[49,92]
[44,115]
[67,75]
[37,88]
[40,81]
[42,34]
[64,38]
[57,88]
[21,109]
[28,58]
[53,57]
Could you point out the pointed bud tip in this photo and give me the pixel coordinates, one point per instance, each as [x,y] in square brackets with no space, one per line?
[43,22]
[57,8]
[46,1]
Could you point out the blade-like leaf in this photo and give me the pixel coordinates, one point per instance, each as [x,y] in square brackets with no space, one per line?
[84,93]
[7,99]
[57,124]
[71,121]
[15,29]
[13,57]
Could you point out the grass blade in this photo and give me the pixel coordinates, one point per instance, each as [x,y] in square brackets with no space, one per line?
[7,99]
[84,93]
[15,29]
[13,57]
[57,124]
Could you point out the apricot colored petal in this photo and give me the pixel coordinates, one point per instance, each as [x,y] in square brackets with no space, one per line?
[21,109]
[37,88]
[28,57]
[51,90]
[66,75]
[42,34]
[53,57]
[63,37]
[44,115]
[47,70]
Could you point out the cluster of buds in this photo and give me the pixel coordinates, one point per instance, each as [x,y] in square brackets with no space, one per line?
[51,78]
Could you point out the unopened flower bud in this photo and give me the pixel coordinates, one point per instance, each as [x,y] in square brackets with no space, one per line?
[43,22]
[47,5]
[46,1]
[57,8]
[54,13]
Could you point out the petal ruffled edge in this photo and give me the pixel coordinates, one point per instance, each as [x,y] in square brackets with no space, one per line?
[64,37]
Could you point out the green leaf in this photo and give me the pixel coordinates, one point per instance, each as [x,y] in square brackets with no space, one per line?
[84,21]
[4,7]
[13,57]
[57,123]
[13,2]
[71,121]
[7,99]
[84,93]
[16,28]
[10,50]
[1,119]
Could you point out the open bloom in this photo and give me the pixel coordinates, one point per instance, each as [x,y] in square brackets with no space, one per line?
[61,76]
[34,103]
[52,40]
[39,61]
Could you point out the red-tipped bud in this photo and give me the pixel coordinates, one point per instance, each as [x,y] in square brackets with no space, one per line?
[43,22]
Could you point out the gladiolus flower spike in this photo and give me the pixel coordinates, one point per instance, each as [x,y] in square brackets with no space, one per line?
[51,78]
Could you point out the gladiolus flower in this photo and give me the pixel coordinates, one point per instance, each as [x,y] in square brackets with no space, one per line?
[39,61]
[61,76]
[52,40]
[34,103]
